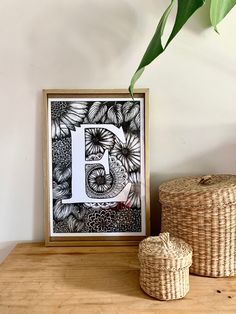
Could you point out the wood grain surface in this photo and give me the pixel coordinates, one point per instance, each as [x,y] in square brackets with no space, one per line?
[36,279]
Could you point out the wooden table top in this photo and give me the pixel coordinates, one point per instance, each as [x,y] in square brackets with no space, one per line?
[36,279]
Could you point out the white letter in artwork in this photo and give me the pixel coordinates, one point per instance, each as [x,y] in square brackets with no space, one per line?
[78,166]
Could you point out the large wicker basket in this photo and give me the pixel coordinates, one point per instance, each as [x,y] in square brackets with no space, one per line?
[202,212]
[164,267]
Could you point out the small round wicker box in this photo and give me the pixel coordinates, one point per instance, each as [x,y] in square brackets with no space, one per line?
[202,212]
[164,267]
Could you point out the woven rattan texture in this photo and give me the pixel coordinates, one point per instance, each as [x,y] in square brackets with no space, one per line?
[164,267]
[203,215]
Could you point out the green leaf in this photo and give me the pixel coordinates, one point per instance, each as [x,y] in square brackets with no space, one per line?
[219,9]
[135,77]
[185,9]
[154,48]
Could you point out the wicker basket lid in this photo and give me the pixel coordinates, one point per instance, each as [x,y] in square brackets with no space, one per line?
[207,190]
[163,248]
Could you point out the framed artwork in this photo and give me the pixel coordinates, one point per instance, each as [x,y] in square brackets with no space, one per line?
[96,167]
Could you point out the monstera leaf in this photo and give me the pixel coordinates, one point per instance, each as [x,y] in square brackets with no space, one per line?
[219,9]
[185,10]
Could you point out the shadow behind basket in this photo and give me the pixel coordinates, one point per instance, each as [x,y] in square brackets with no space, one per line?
[202,212]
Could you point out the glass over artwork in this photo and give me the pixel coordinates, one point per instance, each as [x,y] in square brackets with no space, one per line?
[96,166]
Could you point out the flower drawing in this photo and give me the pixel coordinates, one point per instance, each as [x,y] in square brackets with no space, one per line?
[100,220]
[97,140]
[65,116]
[129,152]
[100,184]
[111,162]
[99,181]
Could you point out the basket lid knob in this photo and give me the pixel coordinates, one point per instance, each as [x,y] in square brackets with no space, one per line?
[205,179]
[164,246]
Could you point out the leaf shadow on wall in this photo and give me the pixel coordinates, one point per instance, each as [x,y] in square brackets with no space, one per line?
[78,44]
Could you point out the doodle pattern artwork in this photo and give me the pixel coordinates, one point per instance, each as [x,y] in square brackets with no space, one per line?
[123,170]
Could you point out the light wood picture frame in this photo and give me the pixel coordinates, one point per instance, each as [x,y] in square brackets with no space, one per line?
[96,167]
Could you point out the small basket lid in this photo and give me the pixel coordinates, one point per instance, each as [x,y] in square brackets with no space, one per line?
[207,190]
[163,248]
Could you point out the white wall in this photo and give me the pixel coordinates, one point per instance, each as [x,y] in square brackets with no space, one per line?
[98,44]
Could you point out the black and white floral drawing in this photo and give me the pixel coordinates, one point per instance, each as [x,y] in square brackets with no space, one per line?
[124,159]
[98,140]
[102,185]
[129,152]
[65,115]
